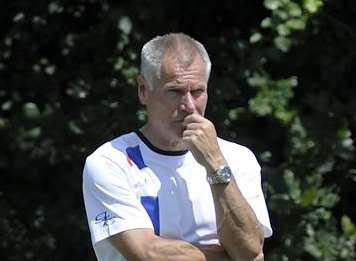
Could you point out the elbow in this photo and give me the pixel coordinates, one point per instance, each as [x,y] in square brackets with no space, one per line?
[254,247]
[255,250]
[249,256]
[252,255]
[255,254]
[259,257]
[251,250]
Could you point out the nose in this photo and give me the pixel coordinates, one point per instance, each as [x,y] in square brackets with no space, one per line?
[187,103]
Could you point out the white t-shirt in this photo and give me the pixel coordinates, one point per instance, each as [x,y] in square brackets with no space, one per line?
[129,184]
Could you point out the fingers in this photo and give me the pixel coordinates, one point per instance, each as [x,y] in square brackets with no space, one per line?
[192,134]
[193,126]
[194,138]
[200,137]
[196,121]
[193,118]
[198,126]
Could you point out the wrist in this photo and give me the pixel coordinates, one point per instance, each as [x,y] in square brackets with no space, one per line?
[221,176]
[214,164]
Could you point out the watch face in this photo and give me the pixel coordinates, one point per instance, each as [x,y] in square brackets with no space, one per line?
[221,176]
[225,174]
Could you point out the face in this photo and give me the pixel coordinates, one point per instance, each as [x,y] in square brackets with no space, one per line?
[180,91]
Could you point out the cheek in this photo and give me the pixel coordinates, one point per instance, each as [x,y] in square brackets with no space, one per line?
[201,104]
[166,108]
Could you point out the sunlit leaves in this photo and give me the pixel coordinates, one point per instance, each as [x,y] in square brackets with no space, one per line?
[292,185]
[73,126]
[18,17]
[288,16]
[281,84]
[54,7]
[33,133]
[348,226]
[272,4]
[31,110]
[313,5]
[7,105]
[272,96]
[130,74]
[320,144]
[78,89]
[282,43]
[125,24]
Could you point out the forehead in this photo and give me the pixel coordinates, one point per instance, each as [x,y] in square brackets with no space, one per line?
[173,67]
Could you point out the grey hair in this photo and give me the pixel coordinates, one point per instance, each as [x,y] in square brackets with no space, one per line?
[154,50]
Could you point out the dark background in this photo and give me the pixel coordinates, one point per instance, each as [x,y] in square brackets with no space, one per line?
[282,84]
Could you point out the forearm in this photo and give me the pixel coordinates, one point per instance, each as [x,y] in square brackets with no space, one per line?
[239,231]
[214,252]
[238,228]
[165,249]
[144,245]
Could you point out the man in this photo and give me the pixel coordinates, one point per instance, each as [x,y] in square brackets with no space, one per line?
[173,190]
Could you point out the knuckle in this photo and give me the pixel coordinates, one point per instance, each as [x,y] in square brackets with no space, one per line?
[200,132]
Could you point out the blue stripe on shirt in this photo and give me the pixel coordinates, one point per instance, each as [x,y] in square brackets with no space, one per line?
[135,155]
[152,208]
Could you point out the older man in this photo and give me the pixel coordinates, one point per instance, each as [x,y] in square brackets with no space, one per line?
[173,190]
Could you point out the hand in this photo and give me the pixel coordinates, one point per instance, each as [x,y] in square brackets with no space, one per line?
[214,252]
[201,139]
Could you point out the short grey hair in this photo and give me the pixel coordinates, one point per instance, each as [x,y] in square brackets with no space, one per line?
[154,50]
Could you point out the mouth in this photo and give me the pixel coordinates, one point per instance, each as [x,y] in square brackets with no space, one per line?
[178,124]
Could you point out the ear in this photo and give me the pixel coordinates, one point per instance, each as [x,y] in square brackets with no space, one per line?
[142,89]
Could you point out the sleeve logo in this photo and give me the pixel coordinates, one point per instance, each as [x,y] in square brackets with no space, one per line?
[105,219]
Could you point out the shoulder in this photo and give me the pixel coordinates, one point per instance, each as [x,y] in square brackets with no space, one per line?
[110,157]
[239,155]
[229,147]
[115,149]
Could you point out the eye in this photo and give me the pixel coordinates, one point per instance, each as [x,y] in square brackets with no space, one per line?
[174,92]
[197,92]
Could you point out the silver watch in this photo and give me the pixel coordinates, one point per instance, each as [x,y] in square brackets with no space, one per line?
[221,176]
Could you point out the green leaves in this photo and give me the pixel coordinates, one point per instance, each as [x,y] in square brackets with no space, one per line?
[293,86]
[125,24]
[272,96]
[348,226]
[313,5]
[31,110]
[287,17]
[273,4]
[281,84]
[292,185]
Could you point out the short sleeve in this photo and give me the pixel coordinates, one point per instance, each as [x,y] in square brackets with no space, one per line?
[110,202]
[247,173]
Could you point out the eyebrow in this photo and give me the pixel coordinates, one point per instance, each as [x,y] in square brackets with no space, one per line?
[174,86]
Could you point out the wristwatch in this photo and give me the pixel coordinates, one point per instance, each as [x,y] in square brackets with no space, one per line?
[221,176]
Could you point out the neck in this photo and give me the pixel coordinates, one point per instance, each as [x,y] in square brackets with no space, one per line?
[161,141]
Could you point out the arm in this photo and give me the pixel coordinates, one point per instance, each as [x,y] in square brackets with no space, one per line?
[239,231]
[132,234]
[238,228]
[143,244]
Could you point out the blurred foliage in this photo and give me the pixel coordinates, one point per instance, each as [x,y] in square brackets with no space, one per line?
[282,84]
